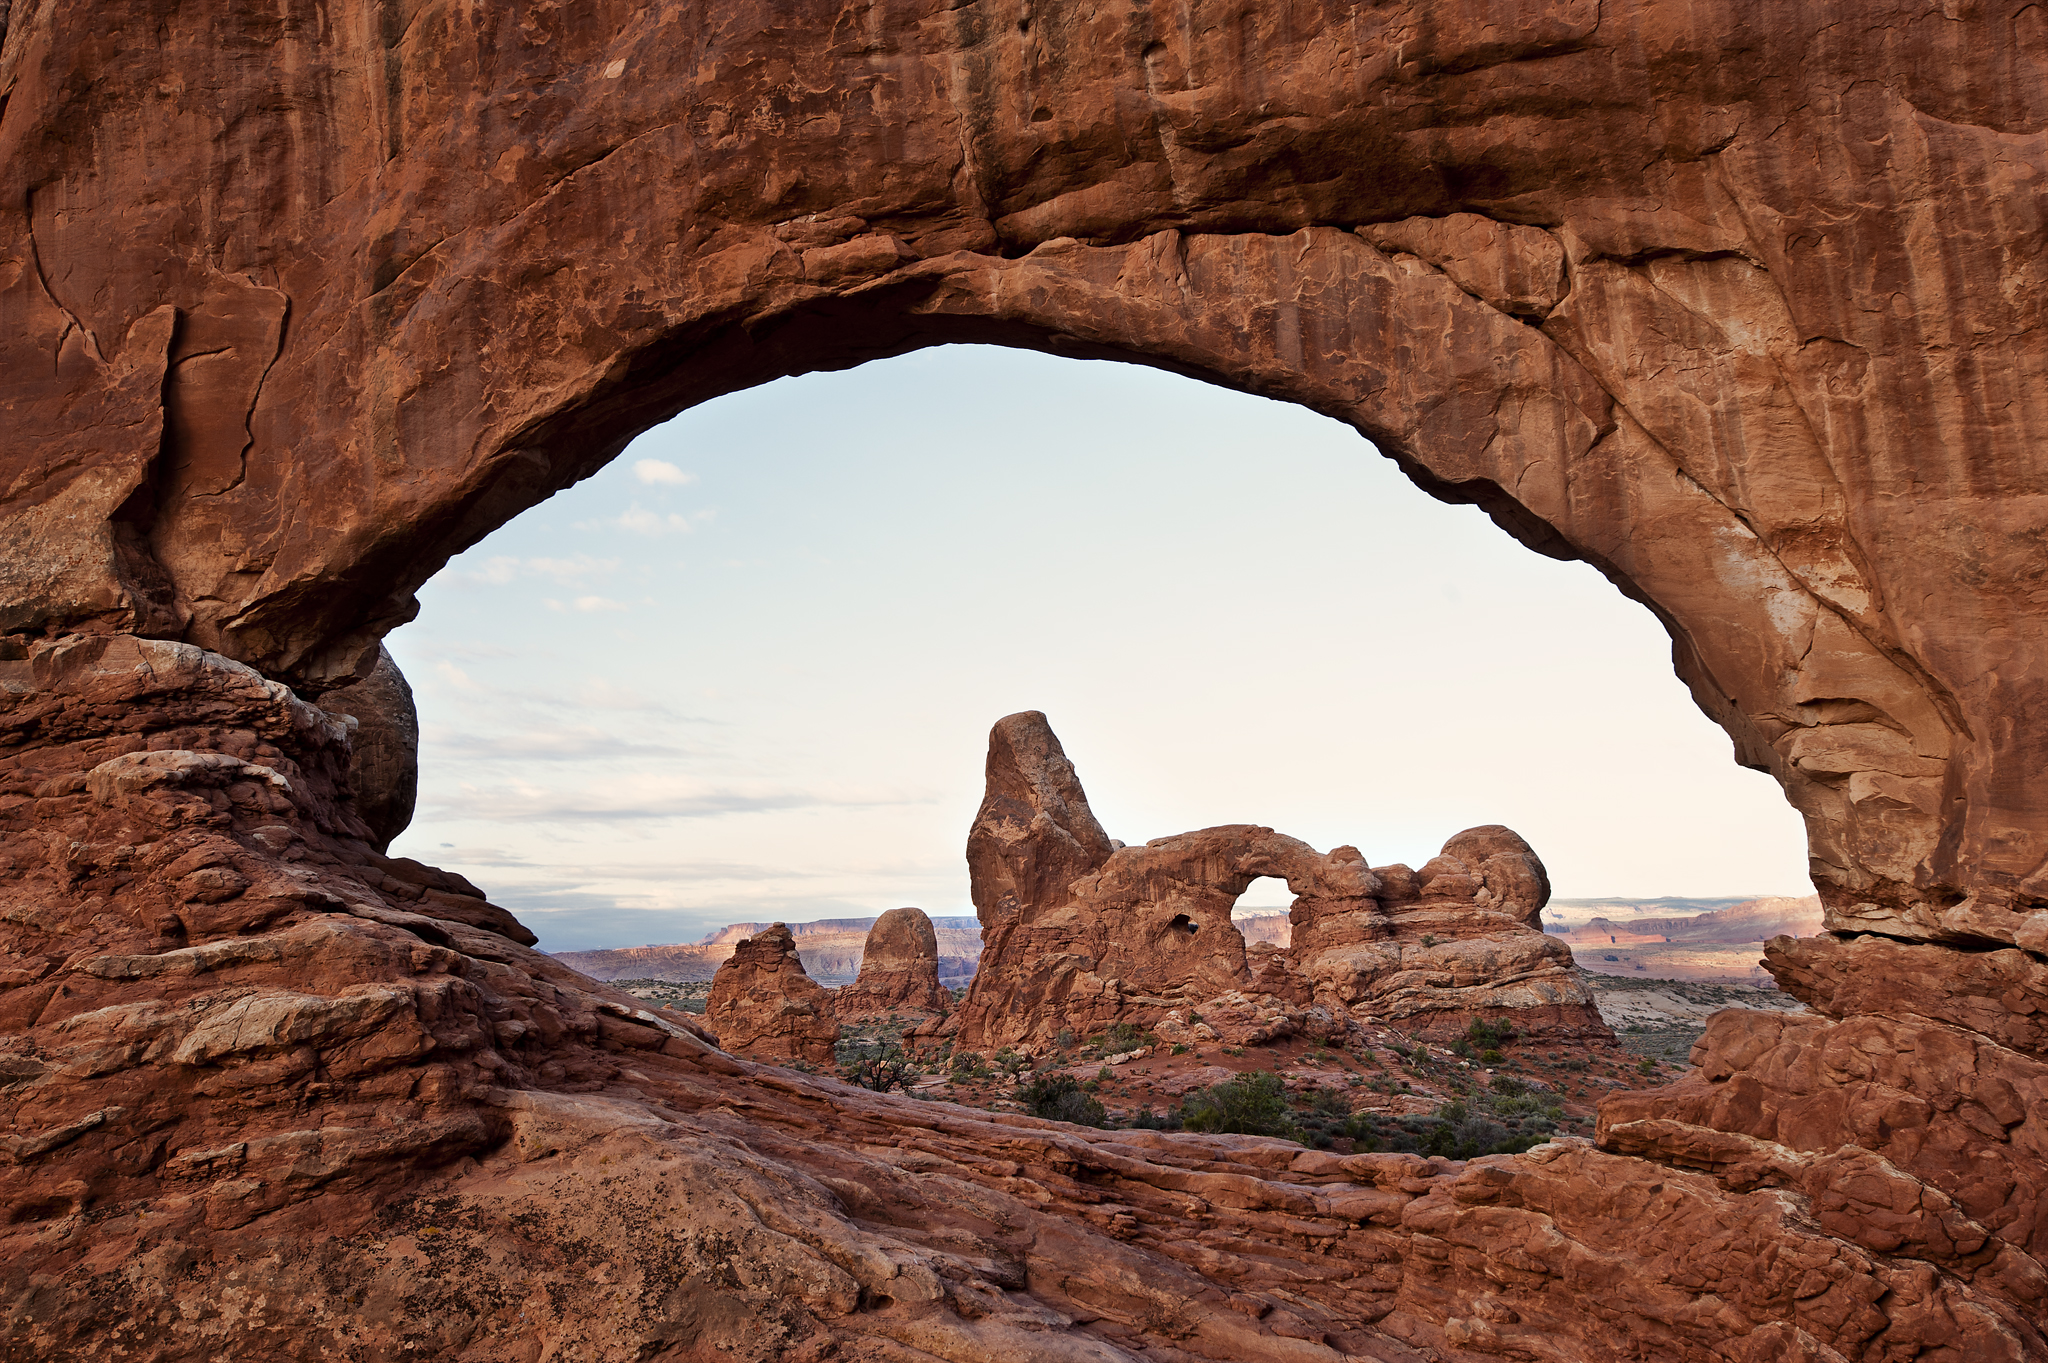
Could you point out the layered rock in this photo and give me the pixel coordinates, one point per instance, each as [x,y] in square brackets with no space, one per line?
[1459,941]
[765,1007]
[242,1048]
[1591,277]
[1143,934]
[899,970]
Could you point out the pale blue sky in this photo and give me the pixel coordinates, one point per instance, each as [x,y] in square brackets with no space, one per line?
[748,670]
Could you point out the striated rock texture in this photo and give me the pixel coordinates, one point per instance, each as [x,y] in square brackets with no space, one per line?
[764,1006]
[296,301]
[1735,303]
[899,969]
[1144,935]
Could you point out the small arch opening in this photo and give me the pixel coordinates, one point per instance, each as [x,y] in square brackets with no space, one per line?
[1261,912]
[1184,925]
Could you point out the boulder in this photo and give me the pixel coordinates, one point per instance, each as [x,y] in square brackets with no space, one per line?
[1459,941]
[765,1007]
[899,970]
[384,768]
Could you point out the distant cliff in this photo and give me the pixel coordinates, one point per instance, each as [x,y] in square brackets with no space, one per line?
[1757,920]
[830,949]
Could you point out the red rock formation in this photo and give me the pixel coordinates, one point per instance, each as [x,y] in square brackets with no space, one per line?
[1460,940]
[1146,934]
[765,1007]
[384,765]
[272,1095]
[899,970]
[411,277]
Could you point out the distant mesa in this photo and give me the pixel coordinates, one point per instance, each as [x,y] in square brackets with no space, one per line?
[1082,933]
[1754,922]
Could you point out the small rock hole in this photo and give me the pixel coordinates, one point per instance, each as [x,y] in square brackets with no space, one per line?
[1183,924]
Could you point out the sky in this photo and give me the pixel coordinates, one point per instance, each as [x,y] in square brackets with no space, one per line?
[747,671]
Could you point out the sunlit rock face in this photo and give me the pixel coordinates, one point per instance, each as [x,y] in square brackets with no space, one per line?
[1738,304]
[1146,933]
[764,1006]
[899,970]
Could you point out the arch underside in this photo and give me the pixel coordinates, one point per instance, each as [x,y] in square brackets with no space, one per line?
[1737,305]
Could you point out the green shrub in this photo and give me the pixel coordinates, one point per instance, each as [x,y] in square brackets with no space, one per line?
[1489,1036]
[1329,1103]
[968,1065]
[1060,1098]
[1249,1105]
[880,1069]
[1123,1037]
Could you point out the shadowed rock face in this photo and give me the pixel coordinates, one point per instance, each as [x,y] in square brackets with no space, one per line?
[1149,931]
[899,969]
[384,773]
[1739,304]
[765,1007]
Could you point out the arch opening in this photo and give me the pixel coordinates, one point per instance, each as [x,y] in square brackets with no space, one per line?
[728,576]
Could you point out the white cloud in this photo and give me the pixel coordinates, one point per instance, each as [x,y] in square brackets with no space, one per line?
[599,603]
[660,472]
[644,522]
[456,677]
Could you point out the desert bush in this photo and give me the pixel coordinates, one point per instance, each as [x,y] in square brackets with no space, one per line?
[1250,1105]
[1123,1037]
[1489,1036]
[1060,1098]
[881,1068]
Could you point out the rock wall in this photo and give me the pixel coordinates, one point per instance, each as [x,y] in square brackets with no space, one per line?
[384,766]
[1737,303]
[1686,292]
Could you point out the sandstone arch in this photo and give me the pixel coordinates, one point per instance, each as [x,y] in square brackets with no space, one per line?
[1737,302]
